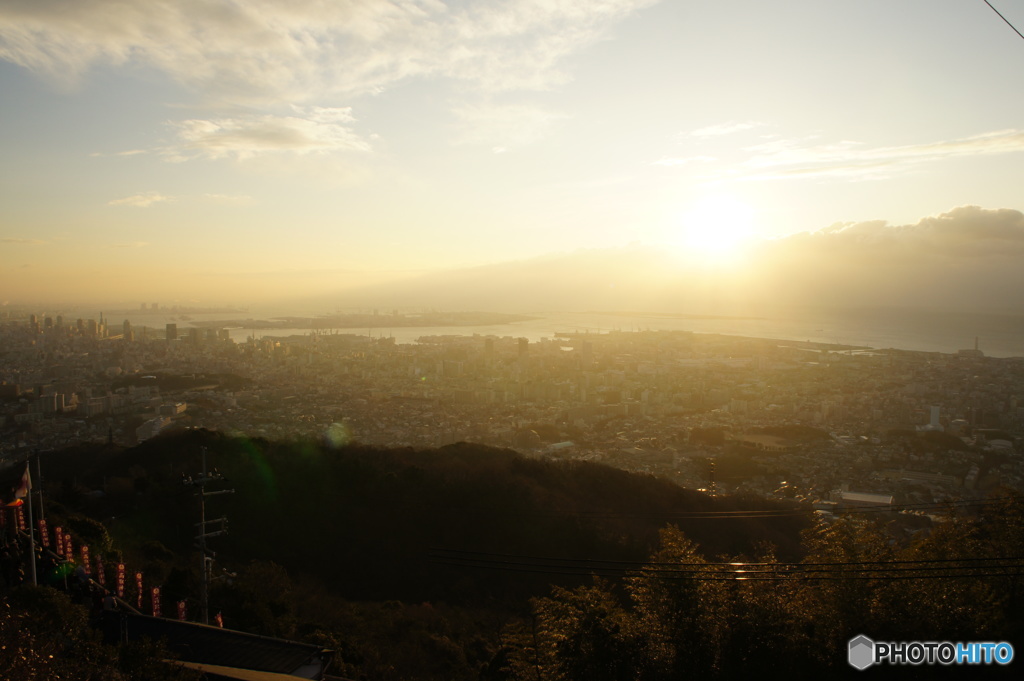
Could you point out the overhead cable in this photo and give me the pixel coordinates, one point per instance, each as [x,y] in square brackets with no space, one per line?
[1004,19]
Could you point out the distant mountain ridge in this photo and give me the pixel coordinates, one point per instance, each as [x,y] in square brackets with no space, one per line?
[967,259]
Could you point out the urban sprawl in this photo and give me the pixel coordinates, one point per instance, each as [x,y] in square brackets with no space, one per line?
[824,424]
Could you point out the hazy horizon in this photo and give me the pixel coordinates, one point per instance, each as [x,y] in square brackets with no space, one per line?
[965,260]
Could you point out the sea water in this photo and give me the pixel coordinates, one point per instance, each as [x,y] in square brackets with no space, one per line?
[999,335]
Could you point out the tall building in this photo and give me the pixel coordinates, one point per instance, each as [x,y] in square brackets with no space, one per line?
[172,331]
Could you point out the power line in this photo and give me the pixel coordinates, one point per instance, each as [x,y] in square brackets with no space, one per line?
[925,568]
[951,573]
[1004,19]
[869,566]
[465,554]
[757,513]
[873,573]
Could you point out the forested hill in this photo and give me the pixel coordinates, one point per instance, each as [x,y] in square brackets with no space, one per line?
[364,520]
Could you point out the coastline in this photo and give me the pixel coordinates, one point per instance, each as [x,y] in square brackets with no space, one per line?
[998,335]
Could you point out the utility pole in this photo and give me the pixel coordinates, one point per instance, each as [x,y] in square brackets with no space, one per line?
[207,530]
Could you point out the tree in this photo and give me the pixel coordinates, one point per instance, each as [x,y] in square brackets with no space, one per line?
[44,636]
[579,634]
[681,609]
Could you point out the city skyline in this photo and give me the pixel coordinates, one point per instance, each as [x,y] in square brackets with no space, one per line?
[224,151]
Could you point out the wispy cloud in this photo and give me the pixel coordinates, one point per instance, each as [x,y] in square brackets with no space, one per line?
[227,198]
[504,127]
[129,152]
[684,161]
[796,159]
[292,50]
[141,200]
[725,129]
[315,130]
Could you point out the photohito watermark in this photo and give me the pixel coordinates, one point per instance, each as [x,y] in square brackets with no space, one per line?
[863,652]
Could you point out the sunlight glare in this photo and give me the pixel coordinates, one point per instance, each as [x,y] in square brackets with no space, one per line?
[717,228]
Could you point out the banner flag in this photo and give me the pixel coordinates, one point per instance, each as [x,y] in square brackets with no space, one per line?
[22,490]
[26,485]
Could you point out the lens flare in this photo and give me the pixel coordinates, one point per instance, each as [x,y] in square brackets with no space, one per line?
[337,435]
[263,472]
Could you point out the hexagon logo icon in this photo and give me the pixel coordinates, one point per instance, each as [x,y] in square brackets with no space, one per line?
[861,652]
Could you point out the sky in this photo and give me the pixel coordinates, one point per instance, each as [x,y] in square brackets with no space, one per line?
[225,151]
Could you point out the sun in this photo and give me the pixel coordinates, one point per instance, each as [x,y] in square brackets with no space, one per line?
[717,228]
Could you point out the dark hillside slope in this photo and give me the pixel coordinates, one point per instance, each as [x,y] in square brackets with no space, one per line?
[364,519]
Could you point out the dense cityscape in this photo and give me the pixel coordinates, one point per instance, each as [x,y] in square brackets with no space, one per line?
[778,419]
